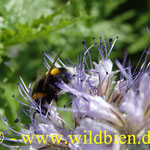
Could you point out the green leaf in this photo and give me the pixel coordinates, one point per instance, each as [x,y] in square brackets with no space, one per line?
[23,33]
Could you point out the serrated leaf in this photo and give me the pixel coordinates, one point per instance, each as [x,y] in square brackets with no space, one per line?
[40,27]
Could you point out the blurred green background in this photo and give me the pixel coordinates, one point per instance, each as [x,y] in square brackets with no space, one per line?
[28,27]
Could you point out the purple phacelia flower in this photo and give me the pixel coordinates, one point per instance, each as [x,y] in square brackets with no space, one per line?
[100,102]
[123,104]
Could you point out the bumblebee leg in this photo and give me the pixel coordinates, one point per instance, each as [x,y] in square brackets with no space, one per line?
[56,100]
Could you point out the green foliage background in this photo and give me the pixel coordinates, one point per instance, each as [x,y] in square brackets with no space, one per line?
[28,27]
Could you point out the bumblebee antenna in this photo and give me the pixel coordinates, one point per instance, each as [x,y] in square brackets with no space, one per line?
[52,67]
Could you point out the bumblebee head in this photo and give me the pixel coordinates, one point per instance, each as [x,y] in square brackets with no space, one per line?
[61,74]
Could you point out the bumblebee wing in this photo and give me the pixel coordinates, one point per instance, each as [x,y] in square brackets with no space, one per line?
[40,73]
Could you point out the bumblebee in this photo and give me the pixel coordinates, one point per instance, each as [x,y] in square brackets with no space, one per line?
[46,89]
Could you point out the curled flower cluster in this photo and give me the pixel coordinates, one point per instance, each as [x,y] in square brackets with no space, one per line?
[100,101]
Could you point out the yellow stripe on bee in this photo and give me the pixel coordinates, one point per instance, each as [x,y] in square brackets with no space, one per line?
[37,96]
[55,71]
